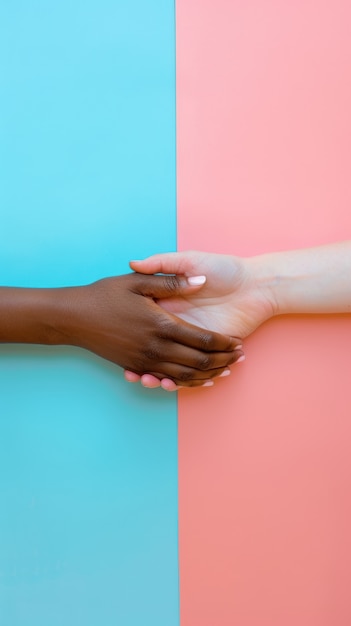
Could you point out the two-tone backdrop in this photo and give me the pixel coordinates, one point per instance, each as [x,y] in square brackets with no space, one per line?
[128,128]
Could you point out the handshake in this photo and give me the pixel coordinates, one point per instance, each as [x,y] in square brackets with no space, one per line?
[180,318]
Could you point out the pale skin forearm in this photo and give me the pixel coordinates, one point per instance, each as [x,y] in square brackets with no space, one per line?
[312,280]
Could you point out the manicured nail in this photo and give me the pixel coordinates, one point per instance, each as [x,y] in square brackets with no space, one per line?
[225,373]
[238,347]
[135,261]
[241,358]
[196,280]
[210,383]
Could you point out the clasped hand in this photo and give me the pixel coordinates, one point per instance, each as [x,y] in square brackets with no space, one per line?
[119,319]
[231,302]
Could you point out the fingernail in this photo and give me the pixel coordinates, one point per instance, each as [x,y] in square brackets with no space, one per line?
[196,280]
[210,383]
[225,373]
[135,261]
[241,358]
[238,347]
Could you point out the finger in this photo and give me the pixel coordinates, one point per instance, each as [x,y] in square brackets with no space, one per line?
[169,385]
[149,381]
[175,329]
[167,286]
[169,263]
[186,376]
[131,377]
[195,359]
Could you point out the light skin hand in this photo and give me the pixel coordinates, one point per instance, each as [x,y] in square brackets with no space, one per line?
[241,293]
[231,301]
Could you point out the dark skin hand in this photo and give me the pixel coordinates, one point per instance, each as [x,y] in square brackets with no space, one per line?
[118,319]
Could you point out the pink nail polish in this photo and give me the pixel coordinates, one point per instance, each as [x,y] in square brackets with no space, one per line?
[225,373]
[196,280]
[210,383]
[241,358]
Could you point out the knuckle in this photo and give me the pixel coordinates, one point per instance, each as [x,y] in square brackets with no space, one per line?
[152,352]
[171,283]
[166,328]
[139,366]
[206,341]
[205,362]
[185,375]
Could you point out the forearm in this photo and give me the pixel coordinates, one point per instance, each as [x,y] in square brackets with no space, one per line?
[38,316]
[314,280]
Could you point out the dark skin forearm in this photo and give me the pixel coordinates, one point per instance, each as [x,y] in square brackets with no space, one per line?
[119,320]
[39,316]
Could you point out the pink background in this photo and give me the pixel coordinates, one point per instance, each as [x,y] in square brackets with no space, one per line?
[264,135]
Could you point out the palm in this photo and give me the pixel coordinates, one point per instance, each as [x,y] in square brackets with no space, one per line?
[229,302]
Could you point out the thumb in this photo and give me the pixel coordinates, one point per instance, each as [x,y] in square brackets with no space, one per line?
[168,286]
[169,263]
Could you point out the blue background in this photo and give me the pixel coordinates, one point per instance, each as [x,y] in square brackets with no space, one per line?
[88,463]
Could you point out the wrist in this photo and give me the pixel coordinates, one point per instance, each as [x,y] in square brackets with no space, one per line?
[38,316]
[293,281]
[263,271]
[61,315]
